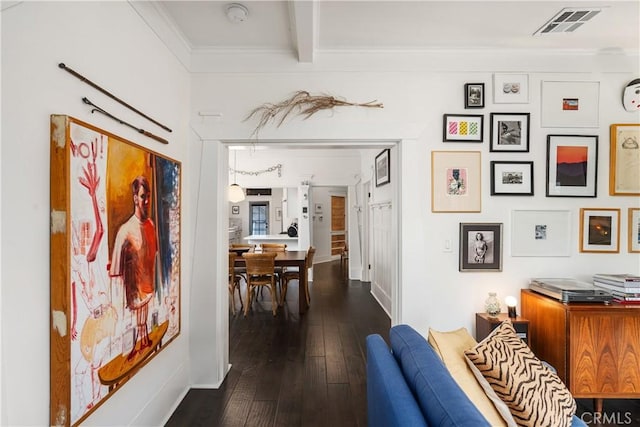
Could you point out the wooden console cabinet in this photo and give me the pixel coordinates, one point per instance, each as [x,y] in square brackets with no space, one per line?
[594,347]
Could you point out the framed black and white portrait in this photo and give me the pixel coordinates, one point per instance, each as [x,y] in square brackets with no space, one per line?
[480,247]
[509,132]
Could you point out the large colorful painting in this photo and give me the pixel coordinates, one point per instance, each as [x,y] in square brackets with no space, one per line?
[115,263]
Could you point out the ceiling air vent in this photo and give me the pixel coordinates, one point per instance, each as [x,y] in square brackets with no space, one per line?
[568,20]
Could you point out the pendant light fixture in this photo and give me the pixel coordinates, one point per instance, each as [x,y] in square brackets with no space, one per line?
[236,193]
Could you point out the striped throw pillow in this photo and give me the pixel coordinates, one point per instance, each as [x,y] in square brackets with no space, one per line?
[534,394]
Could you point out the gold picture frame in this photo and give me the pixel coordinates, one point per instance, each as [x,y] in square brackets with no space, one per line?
[600,230]
[455,181]
[634,230]
[624,159]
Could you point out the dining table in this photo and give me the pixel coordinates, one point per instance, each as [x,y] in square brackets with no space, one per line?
[290,259]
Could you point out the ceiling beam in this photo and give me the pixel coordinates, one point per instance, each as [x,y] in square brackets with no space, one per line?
[302,14]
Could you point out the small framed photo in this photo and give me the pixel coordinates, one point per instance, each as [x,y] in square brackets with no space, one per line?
[462,127]
[572,165]
[510,88]
[383,168]
[480,247]
[278,214]
[624,158]
[511,178]
[537,233]
[510,132]
[235,210]
[569,104]
[634,230]
[455,181]
[600,230]
[474,95]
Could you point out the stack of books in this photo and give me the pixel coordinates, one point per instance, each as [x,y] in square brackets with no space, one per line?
[625,288]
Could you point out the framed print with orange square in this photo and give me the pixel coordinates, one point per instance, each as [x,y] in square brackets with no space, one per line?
[455,181]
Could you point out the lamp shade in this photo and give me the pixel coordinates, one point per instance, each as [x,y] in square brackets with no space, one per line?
[236,193]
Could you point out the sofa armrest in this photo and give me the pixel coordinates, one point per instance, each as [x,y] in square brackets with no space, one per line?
[390,403]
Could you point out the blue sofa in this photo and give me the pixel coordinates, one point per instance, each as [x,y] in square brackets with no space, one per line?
[408,385]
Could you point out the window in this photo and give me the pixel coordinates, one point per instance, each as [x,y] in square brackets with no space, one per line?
[259,218]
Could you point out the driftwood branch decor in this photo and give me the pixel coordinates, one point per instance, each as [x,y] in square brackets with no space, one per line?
[304,104]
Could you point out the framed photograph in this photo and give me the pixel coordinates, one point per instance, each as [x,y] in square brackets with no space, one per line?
[480,247]
[540,233]
[278,214]
[115,263]
[570,104]
[455,181]
[235,210]
[634,230]
[600,230]
[509,88]
[572,165]
[462,127]
[383,168]
[511,178]
[624,160]
[510,132]
[474,95]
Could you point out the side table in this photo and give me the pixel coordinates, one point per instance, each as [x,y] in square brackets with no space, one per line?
[485,324]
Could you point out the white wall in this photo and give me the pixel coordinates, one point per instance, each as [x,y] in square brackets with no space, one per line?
[108,43]
[433,292]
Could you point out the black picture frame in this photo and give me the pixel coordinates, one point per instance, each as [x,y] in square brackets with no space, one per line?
[235,209]
[480,247]
[510,178]
[572,166]
[383,168]
[509,132]
[462,127]
[474,95]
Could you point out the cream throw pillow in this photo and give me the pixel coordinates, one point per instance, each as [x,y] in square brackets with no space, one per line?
[533,393]
[450,346]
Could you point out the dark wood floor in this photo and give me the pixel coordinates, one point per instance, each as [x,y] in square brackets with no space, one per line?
[295,370]
[310,370]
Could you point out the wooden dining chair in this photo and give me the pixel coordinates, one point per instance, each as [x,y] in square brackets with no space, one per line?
[260,273]
[234,283]
[295,275]
[276,247]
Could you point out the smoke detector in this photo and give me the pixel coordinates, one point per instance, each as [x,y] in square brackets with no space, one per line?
[237,13]
[568,20]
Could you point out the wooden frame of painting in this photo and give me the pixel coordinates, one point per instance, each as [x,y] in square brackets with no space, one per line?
[510,88]
[474,95]
[511,178]
[569,104]
[510,132]
[115,264]
[624,159]
[600,230]
[634,230]
[462,127]
[480,247]
[540,233]
[455,181]
[383,168]
[572,165]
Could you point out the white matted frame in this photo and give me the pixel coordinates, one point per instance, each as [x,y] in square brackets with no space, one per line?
[540,233]
[600,230]
[511,178]
[570,104]
[572,165]
[634,230]
[510,88]
[455,181]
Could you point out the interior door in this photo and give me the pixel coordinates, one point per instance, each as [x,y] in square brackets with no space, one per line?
[259,218]
[338,224]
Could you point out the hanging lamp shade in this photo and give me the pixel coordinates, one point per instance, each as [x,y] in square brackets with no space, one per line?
[236,193]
